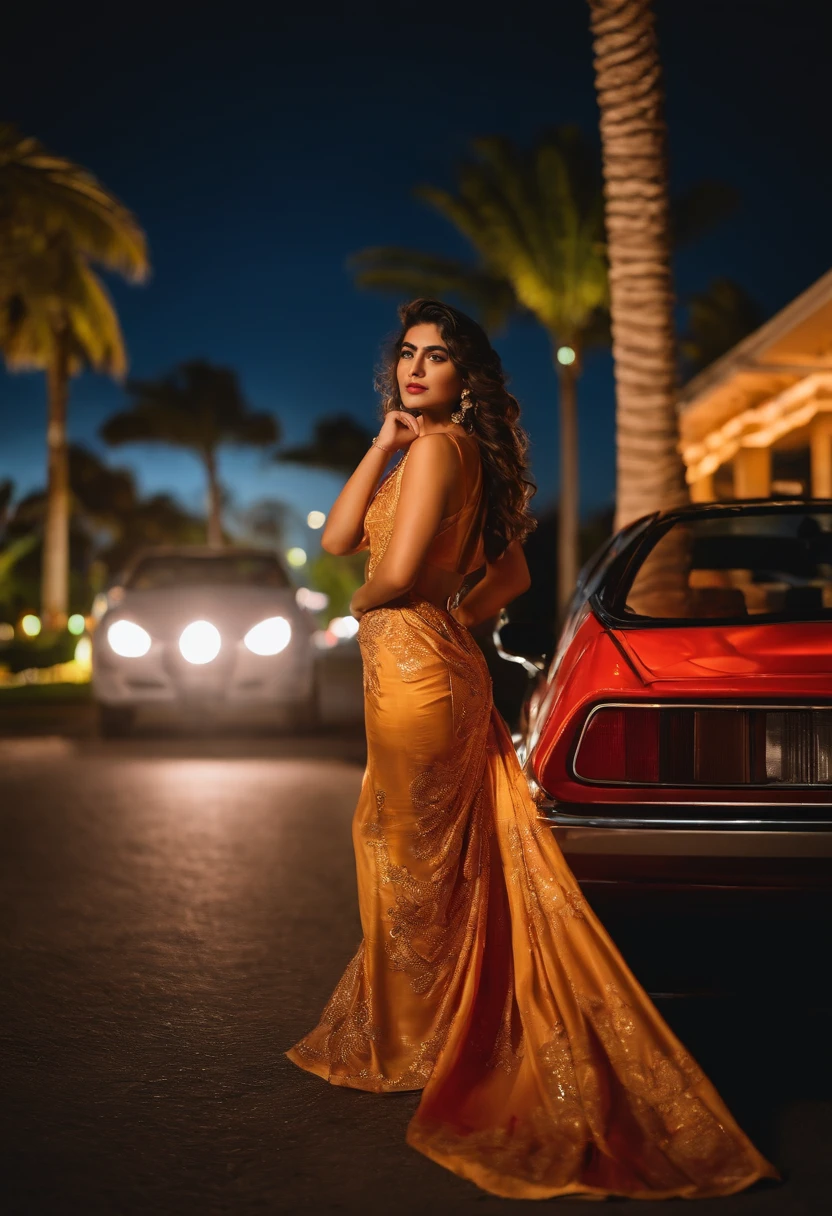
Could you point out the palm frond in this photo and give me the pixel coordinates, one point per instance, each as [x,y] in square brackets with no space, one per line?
[535,220]
[150,422]
[502,186]
[198,406]
[50,194]
[6,496]
[57,290]
[411,272]
[94,324]
[718,318]
[699,210]
[338,443]
[16,551]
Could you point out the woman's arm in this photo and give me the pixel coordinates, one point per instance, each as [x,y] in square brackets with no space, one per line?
[344,529]
[427,481]
[503,581]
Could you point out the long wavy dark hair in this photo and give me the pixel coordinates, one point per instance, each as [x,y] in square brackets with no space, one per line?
[503,442]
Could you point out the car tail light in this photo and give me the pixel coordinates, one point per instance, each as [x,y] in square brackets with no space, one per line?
[706,746]
[621,745]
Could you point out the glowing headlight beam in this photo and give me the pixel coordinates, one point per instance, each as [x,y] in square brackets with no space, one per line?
[200,642]
[128,639]
[269,637]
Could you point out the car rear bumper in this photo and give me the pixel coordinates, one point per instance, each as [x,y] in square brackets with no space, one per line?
[722,851]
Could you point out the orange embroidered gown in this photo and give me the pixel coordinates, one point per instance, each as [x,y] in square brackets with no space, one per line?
[484,978]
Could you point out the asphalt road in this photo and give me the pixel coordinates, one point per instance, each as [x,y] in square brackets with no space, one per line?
[175,911]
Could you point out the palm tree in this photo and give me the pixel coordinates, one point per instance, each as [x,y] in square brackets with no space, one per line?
[109,523]
[199,407]
[264,522]
[61,319]
[338,444]
[6,496]
[718,318]
[638,224]
[56,221]
[535,219]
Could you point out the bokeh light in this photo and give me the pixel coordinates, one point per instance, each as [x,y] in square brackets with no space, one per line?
[314,601]
[316,519]
[343,626]
[296,556]
[31,625]
[76,624]
[100,605]
[566,356]
[83,652]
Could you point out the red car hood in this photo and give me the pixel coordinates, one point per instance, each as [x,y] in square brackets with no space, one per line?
[768,656]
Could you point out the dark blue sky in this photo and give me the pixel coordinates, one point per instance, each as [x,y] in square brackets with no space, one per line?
[259,150]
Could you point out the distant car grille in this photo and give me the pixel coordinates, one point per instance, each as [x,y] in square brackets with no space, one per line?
[771,746]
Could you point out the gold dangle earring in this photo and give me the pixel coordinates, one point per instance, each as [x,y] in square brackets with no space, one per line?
[466,403]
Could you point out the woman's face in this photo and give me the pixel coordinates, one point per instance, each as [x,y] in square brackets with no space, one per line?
[429,382]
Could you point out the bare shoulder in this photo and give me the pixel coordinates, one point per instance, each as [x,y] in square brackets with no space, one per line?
[436,449]
[432,464]
[436,454]
[432,437]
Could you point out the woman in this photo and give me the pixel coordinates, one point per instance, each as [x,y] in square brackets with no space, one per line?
[484,979]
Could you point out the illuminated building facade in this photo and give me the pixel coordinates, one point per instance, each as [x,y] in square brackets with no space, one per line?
[757,423]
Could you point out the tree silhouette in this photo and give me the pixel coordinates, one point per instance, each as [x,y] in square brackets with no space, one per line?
[338,444]
[56,223]
[199,407]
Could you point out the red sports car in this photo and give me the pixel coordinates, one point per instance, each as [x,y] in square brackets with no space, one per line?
[682,734]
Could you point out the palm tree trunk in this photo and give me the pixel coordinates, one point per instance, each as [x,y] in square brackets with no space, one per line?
[569,485]
[55,567]
[215,537]
[634,139]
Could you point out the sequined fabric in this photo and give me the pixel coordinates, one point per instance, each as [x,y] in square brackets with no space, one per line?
[484,979]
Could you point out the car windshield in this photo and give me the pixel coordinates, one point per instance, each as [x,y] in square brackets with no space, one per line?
[766,565]
[229,570]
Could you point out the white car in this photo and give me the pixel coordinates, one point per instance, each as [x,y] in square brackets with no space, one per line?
[207,630]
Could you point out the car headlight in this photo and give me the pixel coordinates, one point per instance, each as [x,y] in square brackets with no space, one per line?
[269,637]
[128,639]
[200,642]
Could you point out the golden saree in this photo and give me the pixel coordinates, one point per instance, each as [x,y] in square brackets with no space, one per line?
[484,978]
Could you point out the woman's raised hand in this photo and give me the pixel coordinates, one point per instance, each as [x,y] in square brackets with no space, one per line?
[399,429]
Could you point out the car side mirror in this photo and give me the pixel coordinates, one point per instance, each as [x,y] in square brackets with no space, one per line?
[530,640]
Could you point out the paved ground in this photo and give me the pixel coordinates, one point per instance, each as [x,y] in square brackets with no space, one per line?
[174,913]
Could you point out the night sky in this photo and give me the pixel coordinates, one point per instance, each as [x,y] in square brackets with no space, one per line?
[260,150]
